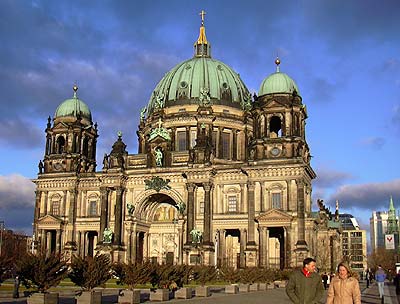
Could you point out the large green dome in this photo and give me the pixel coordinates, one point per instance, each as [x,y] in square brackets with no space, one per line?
[195,78]
[73,107]
[278,83]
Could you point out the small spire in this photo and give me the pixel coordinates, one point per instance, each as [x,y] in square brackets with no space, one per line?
[202,46]
[391,204]
[277,62]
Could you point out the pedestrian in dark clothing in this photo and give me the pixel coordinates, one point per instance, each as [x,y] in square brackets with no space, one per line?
[16,287]
[305,285]
[396,282]
[325,280]
[367,276]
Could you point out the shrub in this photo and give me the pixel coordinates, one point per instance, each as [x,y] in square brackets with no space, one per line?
[229,274]
[41,271]
[90,272]
[204,274]
[6,267]
[131,274]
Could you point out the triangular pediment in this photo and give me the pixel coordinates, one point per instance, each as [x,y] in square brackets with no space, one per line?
[49,220]
[274,103]
[274,215]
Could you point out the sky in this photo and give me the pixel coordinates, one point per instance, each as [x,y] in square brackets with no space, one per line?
[343,55]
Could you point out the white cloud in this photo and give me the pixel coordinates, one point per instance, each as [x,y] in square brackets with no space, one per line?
[16,191]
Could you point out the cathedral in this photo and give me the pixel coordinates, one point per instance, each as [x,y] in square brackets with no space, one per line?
[220,177]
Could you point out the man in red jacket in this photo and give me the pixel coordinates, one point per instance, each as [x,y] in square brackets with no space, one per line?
[305,285]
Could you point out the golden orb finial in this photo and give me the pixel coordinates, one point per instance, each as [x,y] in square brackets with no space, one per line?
[75,88]
[277,62]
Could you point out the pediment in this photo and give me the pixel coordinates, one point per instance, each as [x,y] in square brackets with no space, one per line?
[274,103]
[274,215]
[50,220]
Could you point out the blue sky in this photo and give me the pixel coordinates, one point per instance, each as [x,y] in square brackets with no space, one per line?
[343,55]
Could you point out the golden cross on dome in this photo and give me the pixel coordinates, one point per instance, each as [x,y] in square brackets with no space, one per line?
[202,14]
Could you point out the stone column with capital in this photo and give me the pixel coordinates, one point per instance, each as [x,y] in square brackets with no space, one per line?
[118,217]
[234,144]
[243,240]
[301,242]
[251,214]
[261,261]
[219,153]
[103,211]
[190,212]
[207,215]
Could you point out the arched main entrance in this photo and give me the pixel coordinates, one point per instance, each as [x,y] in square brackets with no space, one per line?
[157,231]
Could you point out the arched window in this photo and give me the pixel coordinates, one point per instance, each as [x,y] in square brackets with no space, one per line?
[93,208]
[60,144]
[275,127]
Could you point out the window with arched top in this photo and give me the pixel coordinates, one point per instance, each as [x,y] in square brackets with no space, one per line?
[275,127]
[60,144]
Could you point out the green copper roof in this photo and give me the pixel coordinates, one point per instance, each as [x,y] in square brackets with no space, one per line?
[197,80]
[278,83]
[73,107]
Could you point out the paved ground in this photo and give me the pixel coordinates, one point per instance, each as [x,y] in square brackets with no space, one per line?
[274,296]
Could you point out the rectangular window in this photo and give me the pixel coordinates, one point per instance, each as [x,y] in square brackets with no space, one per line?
[232,204]
[181,140]
[214,139]
[93,208]
[226,145]
[201,207]
[55,208]
[277,200]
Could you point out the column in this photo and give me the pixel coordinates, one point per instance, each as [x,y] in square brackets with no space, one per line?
[300,215]
[267,248]
[190,212]
[63,207]
[118,216]
[219,153]
[262,197]
[72,214]
[187,138]
[207,214]
[103,211]
[38,195]
[48,242]
[261,262]
[173,131]
[234,144]
[243,240]
[46,193]
[58,241]
[251,226]
[129,245]
[180,246]
[222,235]
[134,246]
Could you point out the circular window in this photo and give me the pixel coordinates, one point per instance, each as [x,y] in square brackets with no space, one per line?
[183,84]
[187,67]
[225,85]
[219,67]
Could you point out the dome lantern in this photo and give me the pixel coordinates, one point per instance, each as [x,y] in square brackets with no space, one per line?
[202,47]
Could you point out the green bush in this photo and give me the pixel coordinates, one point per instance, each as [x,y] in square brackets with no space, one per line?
[229,274]
[41,270]
[131,274]
[90,272]
[204,274]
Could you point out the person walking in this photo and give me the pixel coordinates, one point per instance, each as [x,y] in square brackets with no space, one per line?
[396,282]
[344,288]
[325,280]
[305,285]
[380,277]
[367,276]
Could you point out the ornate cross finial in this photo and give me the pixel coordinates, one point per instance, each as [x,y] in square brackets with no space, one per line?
[202,14]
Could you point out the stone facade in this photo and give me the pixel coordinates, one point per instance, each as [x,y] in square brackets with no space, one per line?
[238,173]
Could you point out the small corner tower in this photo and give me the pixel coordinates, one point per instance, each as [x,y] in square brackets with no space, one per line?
[71,139]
